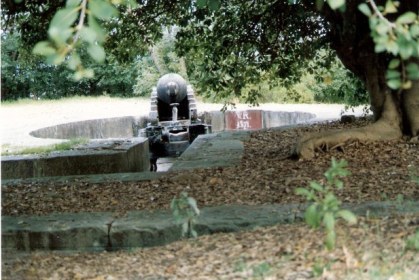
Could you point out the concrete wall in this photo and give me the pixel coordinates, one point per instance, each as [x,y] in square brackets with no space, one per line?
[98,157]
[123,127]
[270,119]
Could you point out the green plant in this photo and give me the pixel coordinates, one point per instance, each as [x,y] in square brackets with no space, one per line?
[412,242]
[319,267]
[261,270]
[185,211]
[326,207]
[414,174]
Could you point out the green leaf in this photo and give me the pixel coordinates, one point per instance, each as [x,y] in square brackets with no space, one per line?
[347,216]
[88,34]
[329,221]
[102,9]
[94,25]
[390,8]
[336,4]
[60,36]
[330,240]
[406,18]
[64,18]
[194,233]
[201,4]
[185,229]
[394,63]
[365,9]
[414,30]
[331,202]
[214,5]
[316,186]
[44,48]
[382,28]
[406,49]
[192,203]
[412,71]
[96,52]
[74,61]
[312,216]
[72,3]
[394,83]
[304,192]
[392,74]
[392,47]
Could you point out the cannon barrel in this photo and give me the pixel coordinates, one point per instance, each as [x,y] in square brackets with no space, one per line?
[171,88]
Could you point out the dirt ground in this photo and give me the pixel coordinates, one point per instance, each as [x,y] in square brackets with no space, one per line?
[371,249]
[266,174]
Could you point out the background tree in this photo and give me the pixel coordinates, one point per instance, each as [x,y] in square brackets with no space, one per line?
[160,59]
[244,42]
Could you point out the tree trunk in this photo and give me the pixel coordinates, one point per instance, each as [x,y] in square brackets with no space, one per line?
[396,113]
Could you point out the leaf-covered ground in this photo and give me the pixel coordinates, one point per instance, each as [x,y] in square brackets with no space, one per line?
[371,249]
[380,171]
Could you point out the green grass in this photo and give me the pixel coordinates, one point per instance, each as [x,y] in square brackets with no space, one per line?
[64,146]
[28,101]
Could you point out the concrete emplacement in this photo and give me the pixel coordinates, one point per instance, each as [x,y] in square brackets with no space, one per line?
[115,147]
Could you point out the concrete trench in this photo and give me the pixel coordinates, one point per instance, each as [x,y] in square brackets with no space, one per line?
[116,148]
[89,231]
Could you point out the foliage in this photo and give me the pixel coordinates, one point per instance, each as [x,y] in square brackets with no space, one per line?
[414,173]
[185,211]
[334,83]
[326,207]
[258,271]
[400,38]
[412,242]
[229,47]
[161,59]
[25,76]
[68,31]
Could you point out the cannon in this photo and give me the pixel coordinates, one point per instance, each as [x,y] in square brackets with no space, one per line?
[173,112]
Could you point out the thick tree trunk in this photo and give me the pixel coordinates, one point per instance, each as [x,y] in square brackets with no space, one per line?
[410,106]
[396,113]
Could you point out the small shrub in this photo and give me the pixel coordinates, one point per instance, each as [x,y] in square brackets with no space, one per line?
[326,207]
[412,242]
[185,211]
[414,174]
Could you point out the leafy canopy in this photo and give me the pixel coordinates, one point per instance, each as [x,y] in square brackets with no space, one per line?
[228,44]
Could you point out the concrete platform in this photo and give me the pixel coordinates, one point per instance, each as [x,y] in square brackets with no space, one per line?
[96,157]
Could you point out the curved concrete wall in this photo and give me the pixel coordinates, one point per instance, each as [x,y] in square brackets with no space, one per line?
[221,121]
[127,127]
[123,127]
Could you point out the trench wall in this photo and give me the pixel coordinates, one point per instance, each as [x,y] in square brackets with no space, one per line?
[98,157]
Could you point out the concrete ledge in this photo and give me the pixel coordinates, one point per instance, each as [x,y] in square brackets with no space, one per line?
[97,157]
[122,127]
[89,231]
[213,150]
